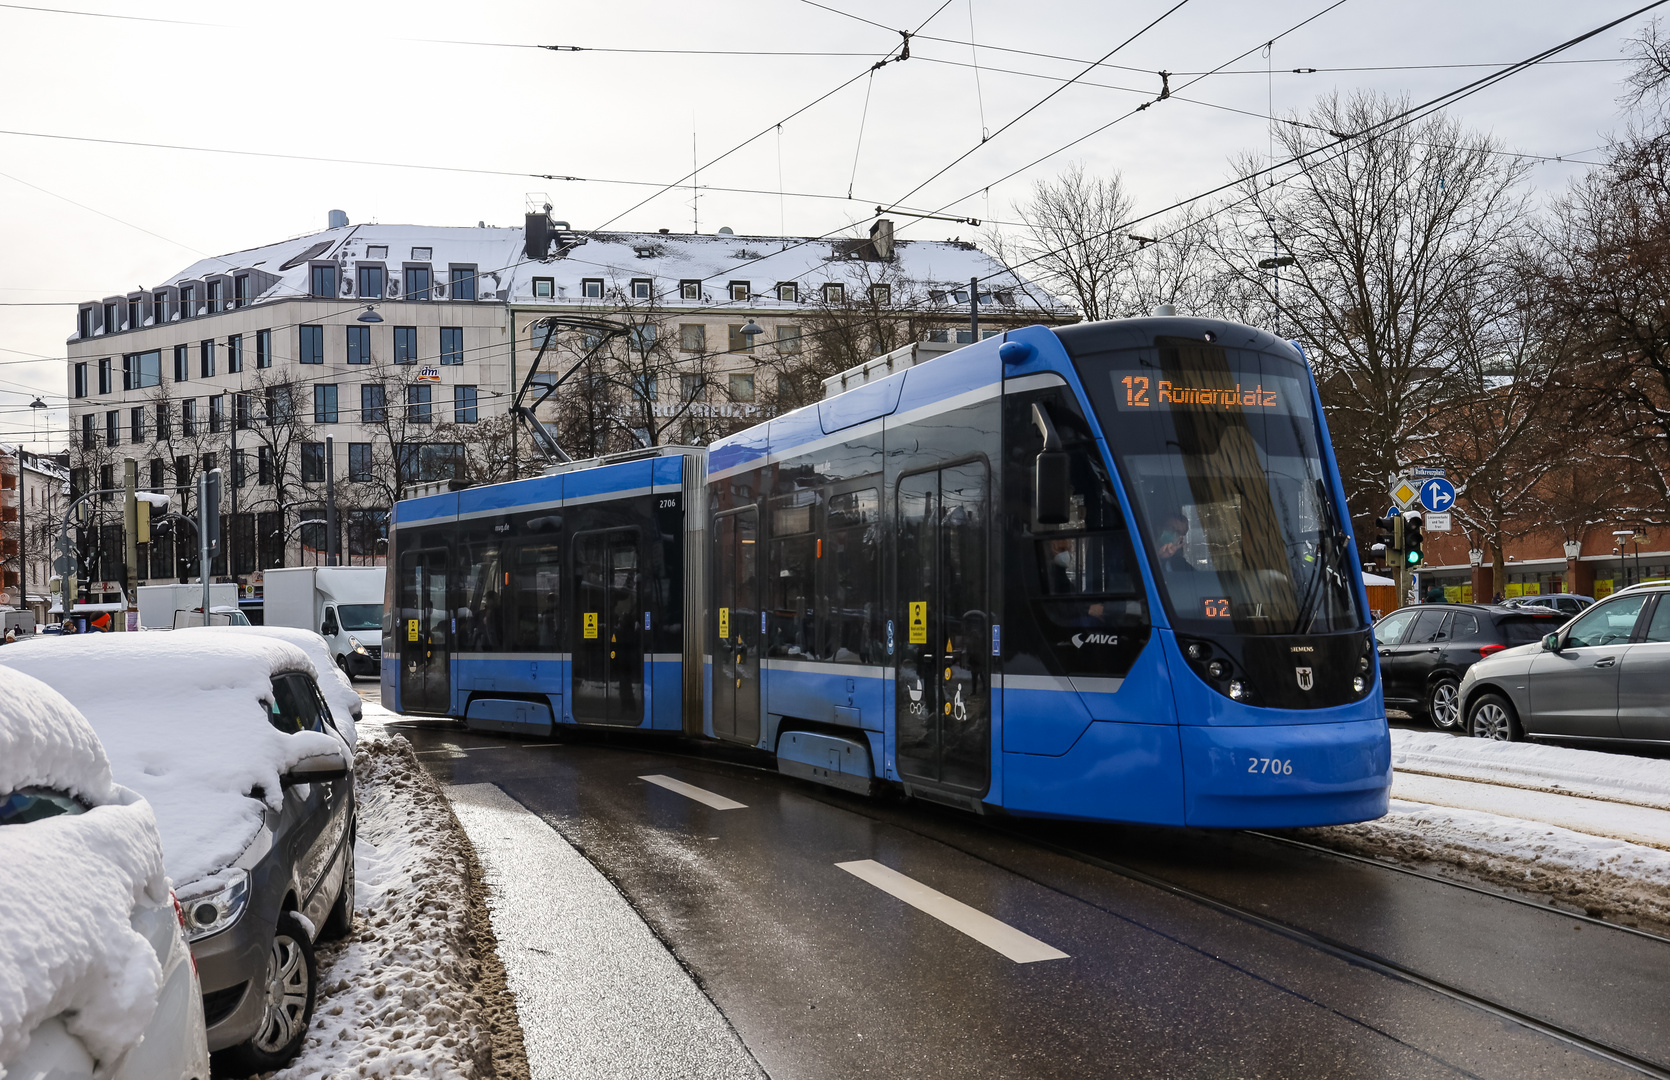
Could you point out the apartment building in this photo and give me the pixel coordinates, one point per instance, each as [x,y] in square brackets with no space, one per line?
[387,356]
[33,497]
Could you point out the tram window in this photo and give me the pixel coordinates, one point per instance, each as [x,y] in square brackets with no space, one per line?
[850,584]
[535,575]
[481,621]
[793,554]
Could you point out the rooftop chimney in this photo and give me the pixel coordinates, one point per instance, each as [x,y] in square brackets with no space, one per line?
[336,219]
[881,240]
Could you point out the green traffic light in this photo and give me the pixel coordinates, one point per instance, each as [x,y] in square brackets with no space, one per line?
[1413,558]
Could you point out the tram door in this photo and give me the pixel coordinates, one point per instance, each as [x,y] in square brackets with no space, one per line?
[425,633]
[736,650]
[943,680]
[608,659]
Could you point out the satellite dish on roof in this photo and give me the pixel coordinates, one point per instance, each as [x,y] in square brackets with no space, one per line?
[725,230]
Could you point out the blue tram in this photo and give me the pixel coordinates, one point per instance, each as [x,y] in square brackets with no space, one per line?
[1102,571]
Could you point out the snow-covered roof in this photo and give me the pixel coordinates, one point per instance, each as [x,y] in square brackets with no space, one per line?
[506,273]
[181,717]
[67,944]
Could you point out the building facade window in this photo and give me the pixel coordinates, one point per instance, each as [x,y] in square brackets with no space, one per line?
[452,344]
[240,412]
[690,387]
[405,344]
[165,424]
[182,363]
[136,313]
[739,290]
[88,439]
[182,473]
[738,341]
[643,336]
[240,468]
[418,400]
[234,354]
[217,296]
[313,463]
[188,301]
[641,288]
[647,387]
[463,404]
[188,417]
[544,288]
[84,323]
[690,289]
[159,478]
[371,282]
[692,337]
[107,480]
[788,339]
[159,307]
[359,344]
[591,288]
[834,292]
[462,282]
[322,279]
[373,404]
[417,282]
[217,413]
[263,348]
[881,294]
[112,427]
[324,403]
[240,291]
[360,468]
[788,292]
[81,379]
[742,387]
[312,344]
[263,464]
[206,358]
[104,376]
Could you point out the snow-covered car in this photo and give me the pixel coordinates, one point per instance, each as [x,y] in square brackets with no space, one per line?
[228,737]
[96,979]
[338,688]
[1604,675]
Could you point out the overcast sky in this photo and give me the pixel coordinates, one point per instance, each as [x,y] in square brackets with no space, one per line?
[413,84]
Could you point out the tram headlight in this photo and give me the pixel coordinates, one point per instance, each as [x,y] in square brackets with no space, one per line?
[1362,665]
[1237,690]
[1358,683]
[1217,669]
[1197,650]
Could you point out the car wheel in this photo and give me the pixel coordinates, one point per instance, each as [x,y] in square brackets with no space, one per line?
[1443,705]
[341,918]
[292,980]
[1493,717]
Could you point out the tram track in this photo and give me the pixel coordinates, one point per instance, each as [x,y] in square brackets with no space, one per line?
[919,818]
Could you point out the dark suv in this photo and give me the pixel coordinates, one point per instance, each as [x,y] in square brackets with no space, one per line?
[1425,650]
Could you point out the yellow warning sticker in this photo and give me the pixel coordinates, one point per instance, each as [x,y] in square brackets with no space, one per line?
[590,628]
[724,623]
[411,629]
[918,622]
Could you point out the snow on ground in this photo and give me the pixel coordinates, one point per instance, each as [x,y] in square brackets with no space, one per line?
[415,990]
[69,884]
[1584,828]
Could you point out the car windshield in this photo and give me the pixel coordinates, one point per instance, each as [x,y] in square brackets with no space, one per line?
[360,616]
[1219,448]
[33,804]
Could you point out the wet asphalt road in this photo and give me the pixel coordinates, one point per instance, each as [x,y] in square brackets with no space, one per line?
[824,975]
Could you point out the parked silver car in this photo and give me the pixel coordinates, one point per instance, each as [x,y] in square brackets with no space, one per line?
[1605,675]
[229,738]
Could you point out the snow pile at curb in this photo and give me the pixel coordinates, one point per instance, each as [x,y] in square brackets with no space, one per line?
[1562,770]
[402,996]
[1605,878]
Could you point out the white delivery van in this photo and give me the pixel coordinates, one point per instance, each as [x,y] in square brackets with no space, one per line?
[167,607]
[342,604]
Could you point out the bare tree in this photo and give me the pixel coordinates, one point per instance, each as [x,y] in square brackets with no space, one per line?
[1073,237]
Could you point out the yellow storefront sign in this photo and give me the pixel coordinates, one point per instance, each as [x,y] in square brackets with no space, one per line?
[590,630]
[918,622]
[411,629]
[724,623]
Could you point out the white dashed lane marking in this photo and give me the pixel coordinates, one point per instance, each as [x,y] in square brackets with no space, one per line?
[993,933]
[691,791]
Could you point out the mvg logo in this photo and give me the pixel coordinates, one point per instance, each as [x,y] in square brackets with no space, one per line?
[1081,640]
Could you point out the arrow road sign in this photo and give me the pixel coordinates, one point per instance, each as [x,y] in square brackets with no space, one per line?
[1437,494]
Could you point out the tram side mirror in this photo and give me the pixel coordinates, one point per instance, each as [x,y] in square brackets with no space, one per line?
[1052,484]
[1052,488]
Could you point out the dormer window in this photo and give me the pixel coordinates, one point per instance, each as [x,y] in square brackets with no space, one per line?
[739,290]
[188,301]
[834,292]
[591,288]
[417,282]
[370,282]
[788,292]
[217,295]
[881,294]
[544,288]
[159,307]
[111,315]
[84,320]
[689,289]
[321,280]
[1004,297]
[640,288]
[240,291]
[376,251]
[936,296]
[136,312]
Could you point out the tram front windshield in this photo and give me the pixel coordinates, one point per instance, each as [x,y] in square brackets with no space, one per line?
[1219,449]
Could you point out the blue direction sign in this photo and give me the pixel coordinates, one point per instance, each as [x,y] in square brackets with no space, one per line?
[1437,494]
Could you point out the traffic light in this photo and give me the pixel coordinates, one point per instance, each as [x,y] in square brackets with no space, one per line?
[1385,543]
[1412,540]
